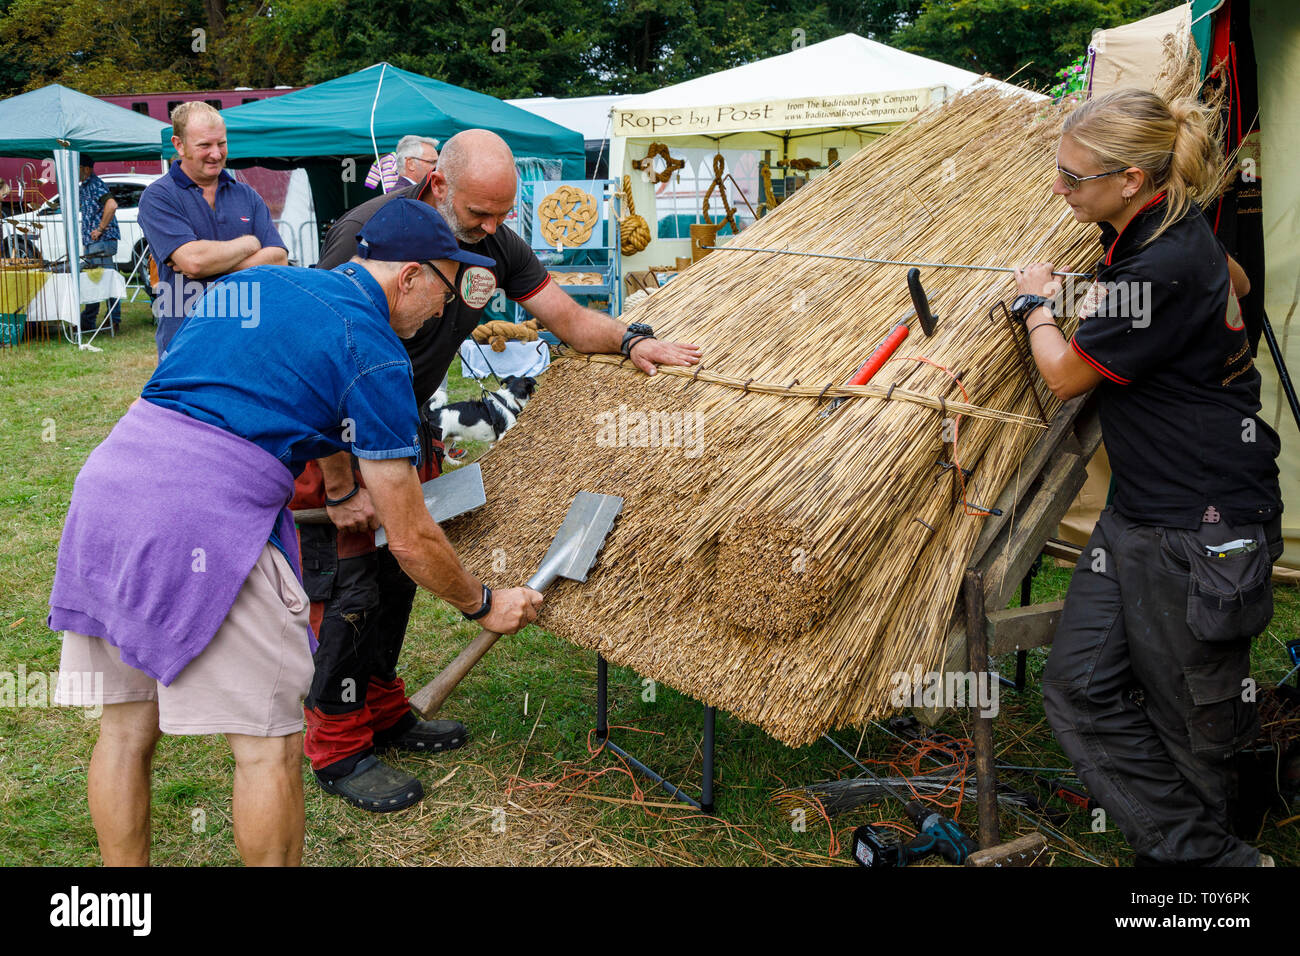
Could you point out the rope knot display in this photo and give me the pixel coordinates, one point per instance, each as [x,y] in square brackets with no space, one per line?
[567,216]
[719,171]
[499,331]
[634,230]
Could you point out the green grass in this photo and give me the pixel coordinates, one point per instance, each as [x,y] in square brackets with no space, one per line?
[514,768]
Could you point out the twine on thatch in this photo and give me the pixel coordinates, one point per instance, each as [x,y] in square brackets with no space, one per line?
[829,390]
[783,566]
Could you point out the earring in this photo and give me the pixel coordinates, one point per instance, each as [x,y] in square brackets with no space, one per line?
[1126,199]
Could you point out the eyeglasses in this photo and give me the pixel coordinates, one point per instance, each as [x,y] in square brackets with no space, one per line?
[450,295]
[1073,182]
[421,159]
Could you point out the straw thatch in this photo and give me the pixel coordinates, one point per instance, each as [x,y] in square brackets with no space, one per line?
[778,565]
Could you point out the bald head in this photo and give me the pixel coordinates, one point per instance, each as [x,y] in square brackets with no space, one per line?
[474,184]
[477,156]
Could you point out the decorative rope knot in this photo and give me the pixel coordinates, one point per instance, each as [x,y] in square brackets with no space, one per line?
[567,216]
[633,229]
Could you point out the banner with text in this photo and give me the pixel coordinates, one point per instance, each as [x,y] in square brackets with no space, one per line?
[803,113]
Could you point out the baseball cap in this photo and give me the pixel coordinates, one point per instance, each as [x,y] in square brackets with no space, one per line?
[406,230]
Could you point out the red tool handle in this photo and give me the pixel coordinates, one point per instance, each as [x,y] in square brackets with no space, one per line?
[880,356]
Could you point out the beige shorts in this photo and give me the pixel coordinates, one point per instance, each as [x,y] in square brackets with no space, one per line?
[250,679]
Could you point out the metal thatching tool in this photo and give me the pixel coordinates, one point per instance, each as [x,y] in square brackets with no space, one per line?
[1024,352]
[446,496]
[884,262]
[876,360]
[571,555]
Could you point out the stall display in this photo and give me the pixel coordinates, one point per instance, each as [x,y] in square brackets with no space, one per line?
[573,226]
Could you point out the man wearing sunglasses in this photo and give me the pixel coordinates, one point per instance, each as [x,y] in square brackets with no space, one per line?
[199,624]
[362,599]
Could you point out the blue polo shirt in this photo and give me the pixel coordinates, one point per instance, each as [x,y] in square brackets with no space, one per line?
[174,212]
[301,362]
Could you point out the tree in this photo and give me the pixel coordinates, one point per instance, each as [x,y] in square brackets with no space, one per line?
[1006,37]
[122,47]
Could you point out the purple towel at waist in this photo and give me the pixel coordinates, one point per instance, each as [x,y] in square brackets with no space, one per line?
[168,516]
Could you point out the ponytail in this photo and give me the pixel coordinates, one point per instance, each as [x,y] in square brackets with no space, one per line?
[1176,143]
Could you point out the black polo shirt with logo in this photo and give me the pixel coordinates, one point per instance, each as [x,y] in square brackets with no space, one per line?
[1179,397]
[433,348]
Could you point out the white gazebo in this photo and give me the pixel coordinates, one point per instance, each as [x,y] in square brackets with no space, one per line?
[839,94]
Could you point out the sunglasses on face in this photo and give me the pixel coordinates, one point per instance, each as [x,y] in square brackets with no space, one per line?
[1073,182]
[450,295]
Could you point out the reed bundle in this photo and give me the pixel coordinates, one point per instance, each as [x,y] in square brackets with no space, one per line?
[776,564]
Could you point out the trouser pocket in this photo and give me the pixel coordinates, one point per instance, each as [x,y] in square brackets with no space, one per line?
[1221,719]
[1229,587]
[320,560]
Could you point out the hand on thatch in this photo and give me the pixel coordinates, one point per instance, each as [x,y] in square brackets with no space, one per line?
[512,610]
[1037,279]
[648,354]
[356,514]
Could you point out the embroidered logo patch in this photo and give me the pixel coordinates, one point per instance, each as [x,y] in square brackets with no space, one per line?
[476,286]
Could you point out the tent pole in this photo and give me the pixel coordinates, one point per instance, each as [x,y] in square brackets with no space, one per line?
[1283,376]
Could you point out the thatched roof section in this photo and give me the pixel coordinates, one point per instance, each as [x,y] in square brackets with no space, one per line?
[775,564]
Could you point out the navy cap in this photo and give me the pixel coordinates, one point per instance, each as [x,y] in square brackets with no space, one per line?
[407,230]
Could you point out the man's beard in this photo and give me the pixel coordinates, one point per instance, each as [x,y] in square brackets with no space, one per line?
[448,212]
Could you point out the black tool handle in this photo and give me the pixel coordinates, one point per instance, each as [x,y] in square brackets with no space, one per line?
[920,302]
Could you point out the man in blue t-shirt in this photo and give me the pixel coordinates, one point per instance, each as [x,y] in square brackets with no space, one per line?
[177,580]
[200,223]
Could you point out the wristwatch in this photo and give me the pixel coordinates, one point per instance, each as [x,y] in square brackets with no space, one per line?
[634,334]
[483,608]
[1025,304]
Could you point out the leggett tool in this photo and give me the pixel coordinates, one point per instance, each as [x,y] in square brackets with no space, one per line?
[571,555]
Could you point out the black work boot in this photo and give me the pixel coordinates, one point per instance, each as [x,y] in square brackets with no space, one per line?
[375,786]
[428,736]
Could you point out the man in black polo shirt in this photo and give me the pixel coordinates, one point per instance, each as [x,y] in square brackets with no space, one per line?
[361,599]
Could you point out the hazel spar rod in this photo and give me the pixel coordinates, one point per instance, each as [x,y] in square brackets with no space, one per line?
[884,262]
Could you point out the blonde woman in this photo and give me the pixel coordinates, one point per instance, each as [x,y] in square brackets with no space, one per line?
[1147,683]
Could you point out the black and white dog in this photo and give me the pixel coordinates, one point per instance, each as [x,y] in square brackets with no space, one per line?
[485,419]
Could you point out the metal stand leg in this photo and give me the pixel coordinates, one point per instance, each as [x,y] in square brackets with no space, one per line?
[1026,594]
[602,698]
[705,803]
[706,788]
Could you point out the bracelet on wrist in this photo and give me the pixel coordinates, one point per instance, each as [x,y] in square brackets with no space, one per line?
[335,502]
[1043,325]
[633,343]
[484,608]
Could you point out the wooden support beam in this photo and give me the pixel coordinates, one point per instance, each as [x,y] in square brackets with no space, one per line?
[985,776]
[1020,628]
[1021,483]
[1050,477]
